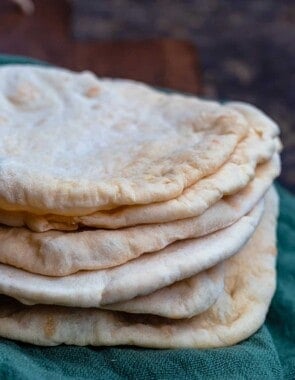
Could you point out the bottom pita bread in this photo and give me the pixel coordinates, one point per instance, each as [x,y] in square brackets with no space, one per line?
[239,311]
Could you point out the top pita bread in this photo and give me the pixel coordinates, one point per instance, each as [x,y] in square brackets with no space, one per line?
[72,144]
[259,145]
[233,176]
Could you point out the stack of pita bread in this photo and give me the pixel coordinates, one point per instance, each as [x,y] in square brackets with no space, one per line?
[130,216]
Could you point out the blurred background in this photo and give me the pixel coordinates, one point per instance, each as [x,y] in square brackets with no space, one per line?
[226,49]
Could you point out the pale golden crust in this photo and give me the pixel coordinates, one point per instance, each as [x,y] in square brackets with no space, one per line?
[85,144]
[233,176]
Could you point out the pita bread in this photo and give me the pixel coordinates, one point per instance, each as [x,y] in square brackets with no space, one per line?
[56,253]
[183,299]
[142,276]
[85,144]
[230,178]
[264,125]
[249,287]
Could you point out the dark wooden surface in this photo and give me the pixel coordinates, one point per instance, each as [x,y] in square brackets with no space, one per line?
[47,35]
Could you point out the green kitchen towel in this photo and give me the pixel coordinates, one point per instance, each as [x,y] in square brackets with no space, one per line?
[268,354]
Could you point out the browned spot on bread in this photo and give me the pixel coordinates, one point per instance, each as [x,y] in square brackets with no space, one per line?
[92,92]
[49,327]
[3,120]
[23,94]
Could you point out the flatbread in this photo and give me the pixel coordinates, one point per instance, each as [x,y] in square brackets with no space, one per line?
[141,276]
[233,176]
[85,144]
[56,253]
[249,287]
[183,299]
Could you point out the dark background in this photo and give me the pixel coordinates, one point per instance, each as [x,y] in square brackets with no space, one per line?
[242,50]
